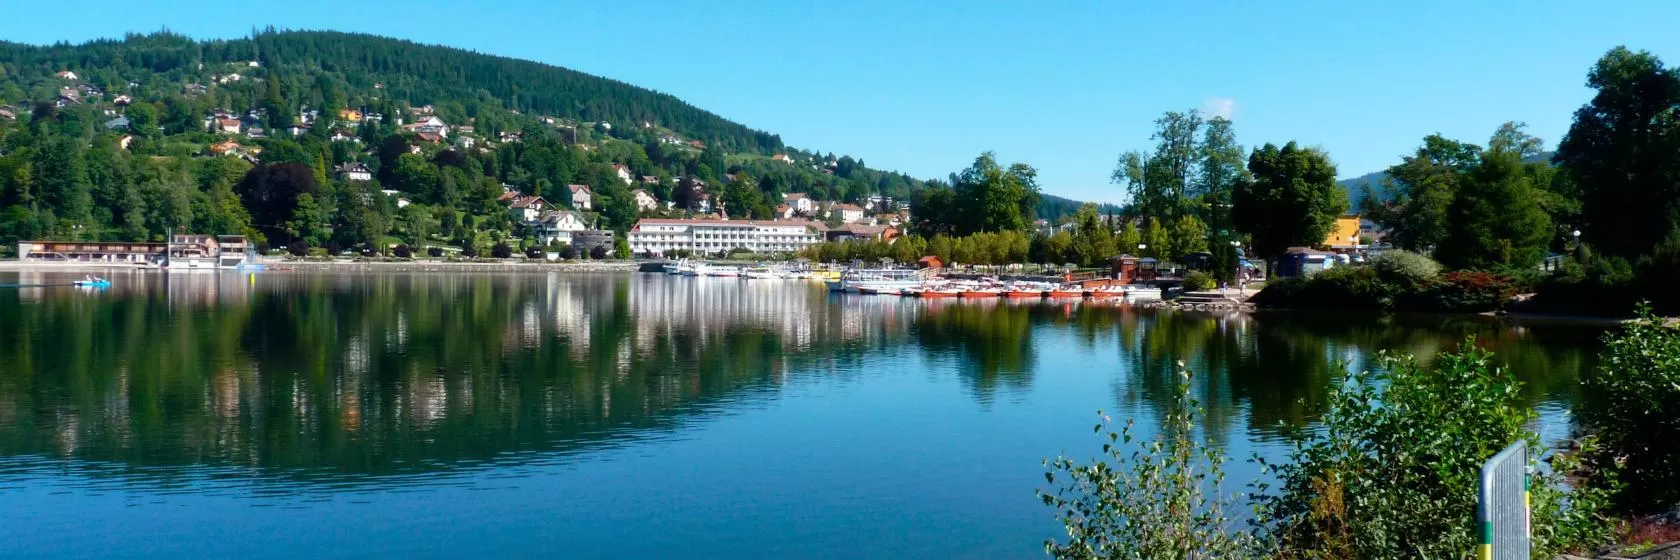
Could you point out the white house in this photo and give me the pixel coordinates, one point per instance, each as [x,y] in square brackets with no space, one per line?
[429,125]
[353,171]
[720,236]
[801,203]
[227,125]
[558,226]
[526,209]
[582,198]
[67,75]
[623,172]
[645,201]
[848,212]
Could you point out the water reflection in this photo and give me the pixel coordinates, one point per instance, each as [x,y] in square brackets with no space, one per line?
[350,379]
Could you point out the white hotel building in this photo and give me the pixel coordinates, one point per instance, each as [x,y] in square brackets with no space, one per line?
[720,236]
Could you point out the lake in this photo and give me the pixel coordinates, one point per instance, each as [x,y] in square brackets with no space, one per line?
[435,415]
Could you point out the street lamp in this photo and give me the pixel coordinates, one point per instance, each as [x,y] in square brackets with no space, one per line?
[1578,253]
[1242,283]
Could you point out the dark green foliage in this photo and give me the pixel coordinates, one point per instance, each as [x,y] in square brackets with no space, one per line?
[535,253]
[1405,268]
[1292,199]
[1495,219]
[1373,289]
[1197,281]
[434,252]
[1623,151]
[1632,401]
[298,248]
[1393,471]
[568,252]
[402,251]
[599,252]
[501,251]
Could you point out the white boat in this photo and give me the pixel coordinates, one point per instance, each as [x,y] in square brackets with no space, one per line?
[763,273]
[884,280]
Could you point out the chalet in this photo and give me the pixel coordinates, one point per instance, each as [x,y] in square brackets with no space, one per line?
[227,148]
[66,75]
[559,226]
[64,101]
[342,136]
[669,139]
[298,129]
[784,212]
[226,125]
[349,115]
[862,232]
[465,142]
[526,209]
[431,137]
[650,180]
[623,172]
[581,196]
[429,124]
[782,158]
[122,100]
[353,171]
[801,203]
[509,137]
[645,201]
[848,212]
[696,144]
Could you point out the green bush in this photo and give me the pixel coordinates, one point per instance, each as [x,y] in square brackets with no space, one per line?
[1197,281]
[1149,500]
[501,251]
[1354,288]
[1393,472]
[1405,268]
[1632,402]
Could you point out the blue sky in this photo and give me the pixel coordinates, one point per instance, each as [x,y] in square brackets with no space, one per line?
[924,86]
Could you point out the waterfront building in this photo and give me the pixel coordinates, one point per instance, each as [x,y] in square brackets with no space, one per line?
[658,236]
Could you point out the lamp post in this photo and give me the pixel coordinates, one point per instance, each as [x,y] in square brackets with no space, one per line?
[1242,283]
[1576,234]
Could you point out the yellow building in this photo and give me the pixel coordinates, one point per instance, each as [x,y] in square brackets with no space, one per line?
[351,115]
[1344,236]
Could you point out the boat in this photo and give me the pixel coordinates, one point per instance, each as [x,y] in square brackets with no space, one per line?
[93,283]
[1106,292]
[763,273]
[672,267]
[1065,292]
[1024,290]
[891,280]
[940,293]
[980,293]
[723,271]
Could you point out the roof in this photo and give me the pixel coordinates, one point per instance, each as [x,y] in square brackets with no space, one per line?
[353,167]
[735,223]
[556,215]
[844,206]
[576,188]
[228,122]
[794,196]
[526,202]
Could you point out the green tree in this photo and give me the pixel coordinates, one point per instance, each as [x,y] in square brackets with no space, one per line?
[1187,235]
[1623,150]
[1155,241]
[1128,239]
[142,120]
[1291,200]
[1496,218]
[1093,241]
[1161,184]
[1222,167]
[1420,190]
[996,198]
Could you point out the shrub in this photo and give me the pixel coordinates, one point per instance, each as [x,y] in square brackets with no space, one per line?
[434,252]
[501,251]
[599,252]
[403,252]
[1632,400]
[468,250]
[568,252]
[1405,267]
[1197,281]
[1147,499]
[1393,472]
[535,253]
[298,248]
[1466,292]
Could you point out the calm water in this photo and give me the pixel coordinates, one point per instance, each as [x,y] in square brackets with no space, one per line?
[453,415]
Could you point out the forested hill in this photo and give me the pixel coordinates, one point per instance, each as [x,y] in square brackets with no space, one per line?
[1373,183]
[416,73]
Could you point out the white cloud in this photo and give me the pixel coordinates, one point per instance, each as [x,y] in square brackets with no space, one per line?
[1222,107]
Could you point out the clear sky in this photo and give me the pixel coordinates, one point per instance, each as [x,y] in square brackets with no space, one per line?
[923,86]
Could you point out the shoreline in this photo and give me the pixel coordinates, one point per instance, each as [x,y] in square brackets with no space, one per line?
[351,266]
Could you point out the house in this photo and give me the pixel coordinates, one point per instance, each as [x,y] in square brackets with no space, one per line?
[506,137]
[8,113]
[782,158]
[298,129]
[784,212]
[650,180]
[256,132]
[847,212]
[645,201]
[64,101]
[227,125]
[669,139]
[710,236]
[349,115]
[696,144]
[880,203]
[353,171]
[342,136]
[863,232]
[581,196]
[465,142]
[623,172]
[122,100]
[119,123]
[230,148]
[526,209]
[1344,235]
[465,129]
[801,203]
[126,141]
[66,75]
[559,226]
[196,89]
